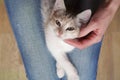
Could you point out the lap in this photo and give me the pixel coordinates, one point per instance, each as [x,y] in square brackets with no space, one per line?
[86,61]
[26,21]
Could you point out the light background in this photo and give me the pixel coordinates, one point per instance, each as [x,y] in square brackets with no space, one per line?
[11,66]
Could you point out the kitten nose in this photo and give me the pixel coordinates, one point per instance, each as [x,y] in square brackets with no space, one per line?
[60,33]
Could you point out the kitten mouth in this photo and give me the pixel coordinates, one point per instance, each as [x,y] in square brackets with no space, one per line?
[67,37]
[59,36]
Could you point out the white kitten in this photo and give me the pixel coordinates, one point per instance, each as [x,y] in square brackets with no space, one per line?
[59,25]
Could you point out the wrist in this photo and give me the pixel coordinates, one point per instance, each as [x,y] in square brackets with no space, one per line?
[113,5]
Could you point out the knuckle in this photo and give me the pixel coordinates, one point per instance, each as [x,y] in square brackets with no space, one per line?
[100,33]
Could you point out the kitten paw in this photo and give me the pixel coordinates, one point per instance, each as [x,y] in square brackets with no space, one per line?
[60,71]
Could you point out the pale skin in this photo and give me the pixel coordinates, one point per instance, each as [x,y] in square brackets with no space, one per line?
[93,32]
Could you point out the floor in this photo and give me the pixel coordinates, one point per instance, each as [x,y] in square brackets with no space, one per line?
[11,66]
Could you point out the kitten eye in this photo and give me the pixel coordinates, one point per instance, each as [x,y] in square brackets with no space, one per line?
[58,23]
[70,29]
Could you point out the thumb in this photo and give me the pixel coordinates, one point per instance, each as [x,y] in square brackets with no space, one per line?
[86,30]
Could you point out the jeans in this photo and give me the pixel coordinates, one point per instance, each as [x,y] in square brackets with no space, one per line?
[26,20]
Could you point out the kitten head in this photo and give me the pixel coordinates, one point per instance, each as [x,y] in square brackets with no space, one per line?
[66,27]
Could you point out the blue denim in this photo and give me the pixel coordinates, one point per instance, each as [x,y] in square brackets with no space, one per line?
[26,20]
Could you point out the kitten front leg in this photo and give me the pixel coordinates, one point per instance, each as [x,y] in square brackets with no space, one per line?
[60,70]
[70,70]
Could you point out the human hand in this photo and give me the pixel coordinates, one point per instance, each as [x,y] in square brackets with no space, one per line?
[94,31]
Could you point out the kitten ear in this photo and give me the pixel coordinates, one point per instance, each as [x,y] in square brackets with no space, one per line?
[59,4]
[84,16]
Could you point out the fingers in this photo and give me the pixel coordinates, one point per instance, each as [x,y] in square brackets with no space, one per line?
[86,41]
[87,29]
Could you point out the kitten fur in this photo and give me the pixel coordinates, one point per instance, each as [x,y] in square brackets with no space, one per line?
[58,26]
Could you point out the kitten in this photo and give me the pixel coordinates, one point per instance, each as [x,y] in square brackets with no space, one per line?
[58,26]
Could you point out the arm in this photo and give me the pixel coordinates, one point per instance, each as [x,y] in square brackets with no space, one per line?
[94,31]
